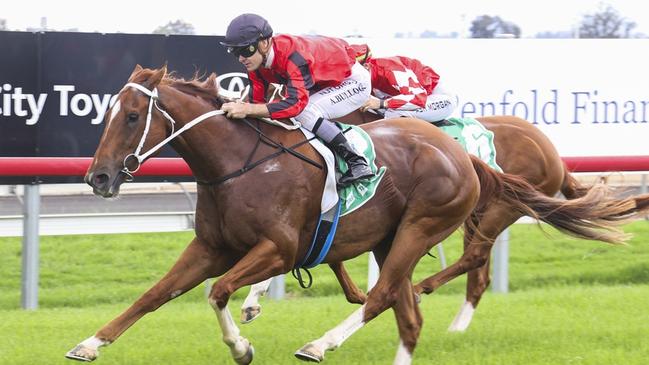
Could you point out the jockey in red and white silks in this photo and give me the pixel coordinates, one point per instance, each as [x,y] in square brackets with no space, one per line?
[321,77]
[403,86]
[307,66]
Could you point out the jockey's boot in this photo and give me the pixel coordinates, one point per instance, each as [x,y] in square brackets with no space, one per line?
[358,168]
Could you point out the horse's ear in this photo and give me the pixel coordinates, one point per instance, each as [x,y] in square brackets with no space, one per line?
[137,69]
[157,76]
[211,81]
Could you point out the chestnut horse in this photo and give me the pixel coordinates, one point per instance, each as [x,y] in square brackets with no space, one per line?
[258,205]
[522,150]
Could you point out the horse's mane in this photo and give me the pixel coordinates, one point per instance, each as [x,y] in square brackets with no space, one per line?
[198,85]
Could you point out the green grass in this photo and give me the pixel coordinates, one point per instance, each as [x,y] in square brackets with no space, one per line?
[592,325]
[81,271]
[572,302]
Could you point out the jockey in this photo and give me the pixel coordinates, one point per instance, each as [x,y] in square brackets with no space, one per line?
[322,78]
[404,87]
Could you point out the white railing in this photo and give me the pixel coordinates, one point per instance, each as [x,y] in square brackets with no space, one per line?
[100,223]
[31,225]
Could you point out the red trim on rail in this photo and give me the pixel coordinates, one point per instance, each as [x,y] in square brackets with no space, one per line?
[160,166]
[77,166]
[607,163]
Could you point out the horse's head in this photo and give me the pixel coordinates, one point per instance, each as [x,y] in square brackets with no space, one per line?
[132,126]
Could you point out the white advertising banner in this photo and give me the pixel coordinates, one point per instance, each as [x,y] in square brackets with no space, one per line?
[591,97]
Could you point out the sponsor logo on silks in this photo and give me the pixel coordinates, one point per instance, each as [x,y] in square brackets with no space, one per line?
[360,192]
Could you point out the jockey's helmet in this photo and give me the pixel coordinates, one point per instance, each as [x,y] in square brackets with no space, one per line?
[246,29]
[363,53]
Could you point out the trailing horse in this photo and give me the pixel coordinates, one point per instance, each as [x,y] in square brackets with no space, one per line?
[254,225]
[521,150]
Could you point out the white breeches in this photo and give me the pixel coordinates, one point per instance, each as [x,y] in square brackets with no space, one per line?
[337,101]
[439,105]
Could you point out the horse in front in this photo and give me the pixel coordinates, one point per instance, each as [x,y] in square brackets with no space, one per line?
[259,190]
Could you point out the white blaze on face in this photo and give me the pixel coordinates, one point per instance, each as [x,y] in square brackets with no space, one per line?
[113,112]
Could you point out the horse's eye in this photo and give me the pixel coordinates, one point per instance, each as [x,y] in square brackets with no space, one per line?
[133,117]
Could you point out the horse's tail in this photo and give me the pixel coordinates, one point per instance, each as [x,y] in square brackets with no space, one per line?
[571,188]
[595,215]
[642,202]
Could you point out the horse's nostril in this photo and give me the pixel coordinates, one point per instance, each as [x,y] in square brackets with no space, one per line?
[100,180]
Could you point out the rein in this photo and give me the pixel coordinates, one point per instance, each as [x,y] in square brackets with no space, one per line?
[265,139]
[139,158]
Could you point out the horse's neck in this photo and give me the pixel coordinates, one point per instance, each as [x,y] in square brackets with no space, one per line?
[213,147]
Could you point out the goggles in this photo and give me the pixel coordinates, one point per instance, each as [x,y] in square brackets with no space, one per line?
[245,51]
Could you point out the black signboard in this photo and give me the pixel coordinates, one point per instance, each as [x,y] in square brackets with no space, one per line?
[55,86]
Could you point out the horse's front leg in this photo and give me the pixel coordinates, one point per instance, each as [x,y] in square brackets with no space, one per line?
[262,262]
[251,309]
[195,264]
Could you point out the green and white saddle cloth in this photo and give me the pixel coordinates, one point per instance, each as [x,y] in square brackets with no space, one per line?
[474,138]
[353,196]
[357,194]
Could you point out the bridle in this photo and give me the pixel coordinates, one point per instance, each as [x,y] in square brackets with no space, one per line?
[153,100]
[249,164]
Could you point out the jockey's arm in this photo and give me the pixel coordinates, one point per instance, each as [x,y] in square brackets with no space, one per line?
[258,110]
[372,103]
[240,110]
[285,108]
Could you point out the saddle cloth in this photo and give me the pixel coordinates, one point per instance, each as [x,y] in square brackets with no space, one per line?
[336,203]
[359,193]
[474,138]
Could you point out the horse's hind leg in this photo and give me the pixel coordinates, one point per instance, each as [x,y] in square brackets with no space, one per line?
[475,259]
[409,321]
[196,264]
[478,281]
[353,293]
[251,309]
[410,244]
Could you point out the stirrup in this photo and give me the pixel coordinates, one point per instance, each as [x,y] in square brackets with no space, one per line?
[354,179]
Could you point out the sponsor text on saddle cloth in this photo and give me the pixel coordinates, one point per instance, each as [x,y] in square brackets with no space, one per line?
[336,203]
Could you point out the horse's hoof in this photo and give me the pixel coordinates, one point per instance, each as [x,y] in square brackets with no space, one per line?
[309,353]
[249,314]
[82,353]
[247,357]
